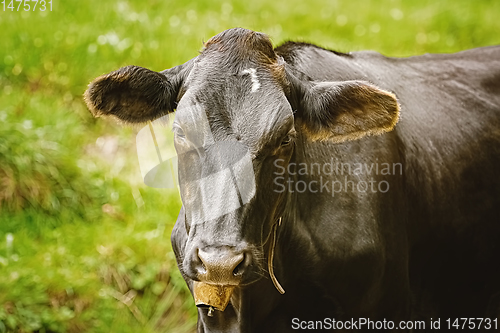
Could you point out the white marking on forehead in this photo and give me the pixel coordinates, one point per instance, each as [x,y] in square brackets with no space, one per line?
[254,78]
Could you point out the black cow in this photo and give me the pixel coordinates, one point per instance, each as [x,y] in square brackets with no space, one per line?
[361,215]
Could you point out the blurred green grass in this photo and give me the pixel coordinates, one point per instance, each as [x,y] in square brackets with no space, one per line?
[84,246]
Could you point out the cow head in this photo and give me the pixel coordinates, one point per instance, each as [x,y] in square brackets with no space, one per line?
[239,108]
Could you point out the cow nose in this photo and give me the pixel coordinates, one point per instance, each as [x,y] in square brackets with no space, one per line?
[221,265]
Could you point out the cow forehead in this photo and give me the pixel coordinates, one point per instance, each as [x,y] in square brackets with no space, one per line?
[220,66]
[248,104]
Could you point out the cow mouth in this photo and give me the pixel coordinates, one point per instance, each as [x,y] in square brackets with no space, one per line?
[212,296]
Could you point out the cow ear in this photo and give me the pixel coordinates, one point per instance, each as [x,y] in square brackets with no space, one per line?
[135,94]
[345,111]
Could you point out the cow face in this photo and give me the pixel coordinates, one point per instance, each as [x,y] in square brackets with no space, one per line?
[239,108]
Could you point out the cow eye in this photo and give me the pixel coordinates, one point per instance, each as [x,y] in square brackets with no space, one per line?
[178,132]
[287,140]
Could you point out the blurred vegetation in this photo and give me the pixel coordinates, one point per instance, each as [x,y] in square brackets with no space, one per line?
[84,246]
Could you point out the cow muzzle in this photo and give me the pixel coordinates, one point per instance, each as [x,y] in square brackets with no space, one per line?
[221,265]
[218,271]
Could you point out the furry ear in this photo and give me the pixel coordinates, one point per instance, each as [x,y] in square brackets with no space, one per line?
[134,94]
[345,111]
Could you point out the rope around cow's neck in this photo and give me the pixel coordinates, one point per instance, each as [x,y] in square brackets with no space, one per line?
[271,257]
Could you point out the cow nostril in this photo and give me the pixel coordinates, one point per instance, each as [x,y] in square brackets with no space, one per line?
[198,260]
[238,270]
[241,265]
[203,268]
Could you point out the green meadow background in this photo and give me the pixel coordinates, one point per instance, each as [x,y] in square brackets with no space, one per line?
[84,244]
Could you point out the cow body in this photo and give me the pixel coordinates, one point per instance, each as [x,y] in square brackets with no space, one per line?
[448,141]
[429,247]
[421,240]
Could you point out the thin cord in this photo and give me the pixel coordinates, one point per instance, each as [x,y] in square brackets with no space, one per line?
[271,257]
[154,140]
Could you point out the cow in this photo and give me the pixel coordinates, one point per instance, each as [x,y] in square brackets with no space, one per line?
[367,187]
